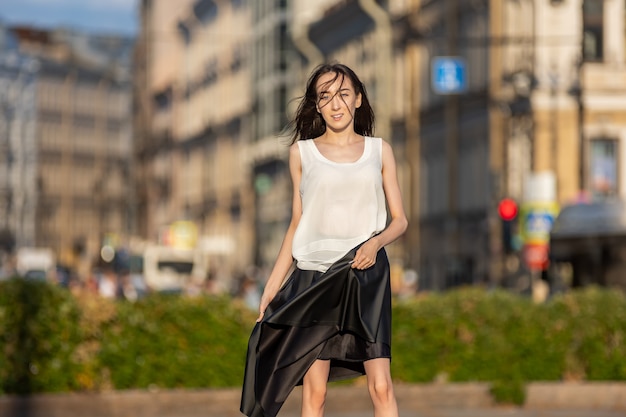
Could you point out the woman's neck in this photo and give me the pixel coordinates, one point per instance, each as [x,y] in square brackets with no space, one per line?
[341,138]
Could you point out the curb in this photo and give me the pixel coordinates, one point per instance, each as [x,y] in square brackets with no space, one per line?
[587,395]
[353,398]
[410,397]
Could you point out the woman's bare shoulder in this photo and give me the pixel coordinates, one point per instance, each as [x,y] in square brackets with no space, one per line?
[386,145]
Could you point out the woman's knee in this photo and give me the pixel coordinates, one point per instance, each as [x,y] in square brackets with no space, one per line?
[315,395]
[381,391]
[314,384]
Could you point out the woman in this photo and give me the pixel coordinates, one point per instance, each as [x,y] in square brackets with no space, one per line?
[331,319]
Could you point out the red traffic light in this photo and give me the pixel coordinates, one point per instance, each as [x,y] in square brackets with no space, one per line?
[507,209]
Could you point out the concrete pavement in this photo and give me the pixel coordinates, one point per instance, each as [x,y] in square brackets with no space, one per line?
[427,400]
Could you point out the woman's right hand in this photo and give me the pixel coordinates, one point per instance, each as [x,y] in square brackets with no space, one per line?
[265,301]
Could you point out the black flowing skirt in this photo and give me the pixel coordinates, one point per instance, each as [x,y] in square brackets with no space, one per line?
[342,315]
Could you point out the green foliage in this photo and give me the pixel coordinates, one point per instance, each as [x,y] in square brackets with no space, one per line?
[509,391]
[171,342]
[471,334]
[38,337]
[597,325]
[51,340]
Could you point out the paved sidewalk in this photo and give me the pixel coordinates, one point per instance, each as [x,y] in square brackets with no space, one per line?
[490,412]
[427,400]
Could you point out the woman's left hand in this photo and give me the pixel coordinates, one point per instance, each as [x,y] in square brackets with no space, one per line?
[366,255]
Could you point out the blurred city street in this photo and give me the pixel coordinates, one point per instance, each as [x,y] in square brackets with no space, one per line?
[146,189]
[506,119]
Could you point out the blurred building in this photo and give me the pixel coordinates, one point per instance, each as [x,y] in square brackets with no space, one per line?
[194,102]
[83,141]
[480,100]
[455,186]
[275,66]
[158,59]
[544,98]
[600,95]
[18,144]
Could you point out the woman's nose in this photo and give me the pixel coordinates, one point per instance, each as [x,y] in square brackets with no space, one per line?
[336,102]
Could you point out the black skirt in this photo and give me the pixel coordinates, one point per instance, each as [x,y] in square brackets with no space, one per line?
[342,315]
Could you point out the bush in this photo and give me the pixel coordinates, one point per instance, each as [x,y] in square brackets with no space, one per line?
[174,342]
[38,337]
[471,334]
[52,341]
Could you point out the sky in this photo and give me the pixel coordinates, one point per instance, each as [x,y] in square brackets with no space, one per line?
[95,16]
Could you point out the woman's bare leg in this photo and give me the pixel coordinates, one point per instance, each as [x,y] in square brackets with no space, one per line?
[380,387]
[314,386]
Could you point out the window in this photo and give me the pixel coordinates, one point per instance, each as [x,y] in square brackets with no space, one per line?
[593,39]
[603,168]
[50,116]
[163,100]
[283,46]
[237,59]
[282,105]
[86,121]
[185,32]
[114,126]
[205,10]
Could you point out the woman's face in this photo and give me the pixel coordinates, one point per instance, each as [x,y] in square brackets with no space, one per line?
[337,100]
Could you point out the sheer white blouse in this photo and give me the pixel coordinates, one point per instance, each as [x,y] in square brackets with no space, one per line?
[343,204]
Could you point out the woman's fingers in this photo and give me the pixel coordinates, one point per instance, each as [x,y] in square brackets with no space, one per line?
[363,262]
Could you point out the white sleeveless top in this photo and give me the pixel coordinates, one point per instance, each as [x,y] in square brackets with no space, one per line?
[343,204]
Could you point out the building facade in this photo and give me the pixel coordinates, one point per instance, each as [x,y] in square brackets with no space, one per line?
[539,97]
[275,65]
[194,100]
[83,142]
[537,88]
[18,145]
[455,192]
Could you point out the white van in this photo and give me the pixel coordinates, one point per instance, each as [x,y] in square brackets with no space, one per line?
[168,269]
[35,263]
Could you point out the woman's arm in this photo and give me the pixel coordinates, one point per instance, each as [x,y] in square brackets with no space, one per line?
[366,255]
[284,260]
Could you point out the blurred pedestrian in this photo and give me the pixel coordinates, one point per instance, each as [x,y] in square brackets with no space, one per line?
[108,285]
[331,318]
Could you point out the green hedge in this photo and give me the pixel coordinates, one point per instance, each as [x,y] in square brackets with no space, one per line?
[475,335]
[38,338]
[53,341]
[169,342]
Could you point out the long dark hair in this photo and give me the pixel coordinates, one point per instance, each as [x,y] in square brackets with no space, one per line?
[309,124]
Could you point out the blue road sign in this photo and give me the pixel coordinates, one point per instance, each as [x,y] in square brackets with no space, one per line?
[449,75]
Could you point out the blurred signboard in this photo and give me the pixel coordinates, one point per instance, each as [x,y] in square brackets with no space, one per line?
[449,75]
[180,234]
[536,256]
[536,220]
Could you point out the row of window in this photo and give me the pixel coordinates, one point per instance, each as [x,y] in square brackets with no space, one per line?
[204,12]
[82,120]
[92,100]
[212,72]
[603,179]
